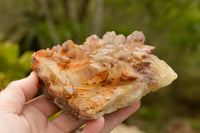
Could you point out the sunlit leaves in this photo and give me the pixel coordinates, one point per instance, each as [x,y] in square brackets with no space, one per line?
[12,65]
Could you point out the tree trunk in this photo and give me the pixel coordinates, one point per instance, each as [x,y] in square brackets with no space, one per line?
[49,21]
[66,9]
[98,16]
[83,10]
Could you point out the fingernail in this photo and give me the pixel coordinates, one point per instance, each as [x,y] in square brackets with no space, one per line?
[101,119]
[31,73]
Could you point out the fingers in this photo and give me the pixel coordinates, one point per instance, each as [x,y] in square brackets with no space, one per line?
[13,98]
[115,118]
[102,125]
[110,121]
[94,126]
[67,123]
[42,104]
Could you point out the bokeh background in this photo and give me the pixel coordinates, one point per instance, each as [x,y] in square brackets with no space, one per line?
[172,26]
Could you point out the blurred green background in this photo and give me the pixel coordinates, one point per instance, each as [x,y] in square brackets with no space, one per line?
[172,26]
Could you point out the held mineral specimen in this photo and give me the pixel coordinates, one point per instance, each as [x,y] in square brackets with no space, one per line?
[102,75]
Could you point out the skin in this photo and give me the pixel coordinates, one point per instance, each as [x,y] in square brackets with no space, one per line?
[21,113]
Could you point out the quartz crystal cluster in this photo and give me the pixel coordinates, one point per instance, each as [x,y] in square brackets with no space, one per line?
[101,75]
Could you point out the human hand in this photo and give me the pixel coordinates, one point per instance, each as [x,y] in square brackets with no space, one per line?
[21,113]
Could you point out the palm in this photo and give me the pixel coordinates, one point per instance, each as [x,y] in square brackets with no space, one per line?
[20,113]
[33,120]
[15,122]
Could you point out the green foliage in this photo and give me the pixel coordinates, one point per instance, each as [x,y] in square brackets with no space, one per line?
[13,67]
[53,116]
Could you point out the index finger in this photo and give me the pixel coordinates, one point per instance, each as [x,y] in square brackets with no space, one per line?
[17,93]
